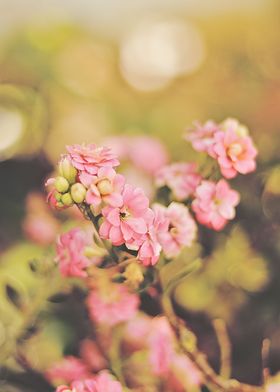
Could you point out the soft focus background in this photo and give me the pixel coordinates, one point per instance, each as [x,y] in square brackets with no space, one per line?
[83,71]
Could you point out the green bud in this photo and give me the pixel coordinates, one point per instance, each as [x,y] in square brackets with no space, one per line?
[95,251]
[67,170]
[66,199]
[78,192]
[59,204]
[61,184]
[57,196]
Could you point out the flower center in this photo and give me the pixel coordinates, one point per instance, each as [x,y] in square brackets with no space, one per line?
[235,149]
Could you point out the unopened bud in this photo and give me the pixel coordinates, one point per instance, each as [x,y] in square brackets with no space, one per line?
[67,170]
[94,251]
[61,184]
[66,199]
[134,275]
[78,192]
[57,196]
[105,187]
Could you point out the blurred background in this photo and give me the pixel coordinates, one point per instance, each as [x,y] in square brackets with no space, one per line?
[84,71]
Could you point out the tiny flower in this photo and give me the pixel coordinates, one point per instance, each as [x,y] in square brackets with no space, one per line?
[67,370]
[67,170]
[106,186]
[181,229]
[234,150]
[181,178]
[71,253]
[202,136]
[214,204]
[89,158]
[78,193]
[122,224]
[112,305]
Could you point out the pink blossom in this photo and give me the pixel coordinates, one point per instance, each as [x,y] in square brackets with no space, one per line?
[89,158]
[123,224]
[160,343]
[234,150]
[67,370]
[71,253]
[120,145]
[147,154]
[137,331]
[202,136]
[183,375]
[148,244]
[87,385]
[92,356]
[112,305]
[64,388]
[214,204]
[105,186]
[181,178]
[181,229]
[104,382]
[40,228]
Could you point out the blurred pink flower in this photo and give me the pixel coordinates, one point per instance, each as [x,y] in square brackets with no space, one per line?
[202,136]
[183,375]
[89,158]
[64,388]
[214,204]
[119,145]
[112,305]
[88,385]
[147,154]
[123,224]
[92,356]
[181,229]
[137,331]
[104,382]
[234,153]
[160,343]
[40,228]
[182,178]
[67,370]
[71,256]
[105,186]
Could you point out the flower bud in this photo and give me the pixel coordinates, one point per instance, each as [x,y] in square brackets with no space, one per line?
[67,170]
[61,184]
[57,196]
[134,275]
[66,199]
[78,192]
[94,251]
[105,187]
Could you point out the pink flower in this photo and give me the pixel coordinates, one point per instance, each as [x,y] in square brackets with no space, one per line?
[234,150]
[214,204]
[181,229]
[160,343]
[147,154]
[137,331]
[104,382]
[64,388]
[67,370]
[181,178]
[112,305]
[148,244]
[202,136]
[40,228]
[89,158]
[123,224]
[105,186]
[183,375]
[88,385]
[71,256]
[92,356]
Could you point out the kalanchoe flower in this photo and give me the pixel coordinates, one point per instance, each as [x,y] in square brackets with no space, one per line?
[104,382]
[215,204]
[106,186]
[71,253]
[123,224]
[202,136]
[67,370]
[234,150]
[182,178]
[180,231]
[112,304]
[89,158]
